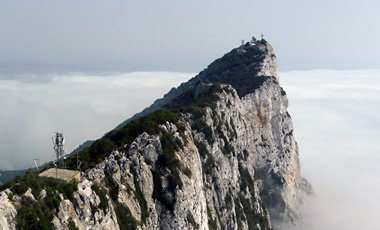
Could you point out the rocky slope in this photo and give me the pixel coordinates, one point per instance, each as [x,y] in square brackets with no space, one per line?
[218,152]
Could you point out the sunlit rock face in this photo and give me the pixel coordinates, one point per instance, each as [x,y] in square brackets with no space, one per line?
[226,158]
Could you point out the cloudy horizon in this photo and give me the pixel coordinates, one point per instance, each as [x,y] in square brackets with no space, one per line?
[82,106]
[334,113]
[337,123]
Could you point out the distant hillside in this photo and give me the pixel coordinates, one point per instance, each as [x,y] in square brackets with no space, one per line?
[10,174]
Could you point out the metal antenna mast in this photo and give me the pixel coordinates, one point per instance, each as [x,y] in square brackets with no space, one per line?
[58,141]
[36,163]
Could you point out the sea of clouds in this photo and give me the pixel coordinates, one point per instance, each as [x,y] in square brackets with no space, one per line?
[81,106]
[336,115]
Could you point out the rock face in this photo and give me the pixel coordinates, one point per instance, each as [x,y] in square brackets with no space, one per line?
[85,211]
[7,211]
[229,160]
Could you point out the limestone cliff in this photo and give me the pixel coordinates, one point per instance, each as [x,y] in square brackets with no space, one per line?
[218,152]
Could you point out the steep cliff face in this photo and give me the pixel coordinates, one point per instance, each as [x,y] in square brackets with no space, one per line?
[218,153]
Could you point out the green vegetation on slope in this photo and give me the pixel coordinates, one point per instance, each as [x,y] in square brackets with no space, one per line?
[8,175]
[237,69]
[117,139]
[39,213]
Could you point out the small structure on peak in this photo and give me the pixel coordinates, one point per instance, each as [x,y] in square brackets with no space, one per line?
[254,40]
[59,171]
[62,174]
[262,36]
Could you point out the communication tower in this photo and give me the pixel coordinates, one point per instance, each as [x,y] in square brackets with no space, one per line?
[58,141]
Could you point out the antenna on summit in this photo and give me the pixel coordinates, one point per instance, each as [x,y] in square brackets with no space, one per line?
[262,36]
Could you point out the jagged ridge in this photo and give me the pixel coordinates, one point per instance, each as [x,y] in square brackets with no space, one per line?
[245,68]
[215,156]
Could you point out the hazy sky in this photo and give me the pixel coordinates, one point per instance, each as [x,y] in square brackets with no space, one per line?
[83,107]
[69,66]
[169,35]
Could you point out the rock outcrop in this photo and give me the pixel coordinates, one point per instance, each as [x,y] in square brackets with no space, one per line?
[218,153]
[7,211]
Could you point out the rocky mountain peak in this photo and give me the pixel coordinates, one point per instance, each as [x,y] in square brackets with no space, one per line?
[245,68]
[218,152]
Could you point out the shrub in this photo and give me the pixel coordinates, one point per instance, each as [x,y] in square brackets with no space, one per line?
[140,198]
[52,200]
[202,148]
[113,188]
[69,189]
[164,196]
[19,188]
[124,217]
[212,223]
[32,218]
[101,148]
[209,165]
[169,147]
[102,196]
[71,225]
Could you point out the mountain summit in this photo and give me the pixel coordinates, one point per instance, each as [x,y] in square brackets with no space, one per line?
[218,152]
[244,68]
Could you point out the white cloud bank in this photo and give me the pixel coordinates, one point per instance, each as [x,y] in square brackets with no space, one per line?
[337,125]
[336,116]
[81,106]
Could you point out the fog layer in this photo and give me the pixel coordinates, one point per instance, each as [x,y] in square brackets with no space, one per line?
[337,125]
[81,106]
[336,115]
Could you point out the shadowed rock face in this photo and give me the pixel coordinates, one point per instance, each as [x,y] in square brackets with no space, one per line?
[228,161]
